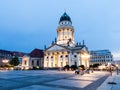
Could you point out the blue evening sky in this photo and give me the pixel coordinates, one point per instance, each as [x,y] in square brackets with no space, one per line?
[29,24]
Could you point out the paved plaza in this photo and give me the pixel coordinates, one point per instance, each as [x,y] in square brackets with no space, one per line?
[115,79]
[50,80]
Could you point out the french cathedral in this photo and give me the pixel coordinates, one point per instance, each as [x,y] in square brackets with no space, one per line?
[64,51]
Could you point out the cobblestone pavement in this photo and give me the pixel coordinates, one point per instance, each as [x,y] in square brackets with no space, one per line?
[50,79]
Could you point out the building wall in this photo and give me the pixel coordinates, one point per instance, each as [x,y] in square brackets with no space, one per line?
[30,62]
[61,59]
[5,55]
[101,57]
[56,59]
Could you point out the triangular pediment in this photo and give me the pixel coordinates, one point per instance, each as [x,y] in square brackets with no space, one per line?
[85,49]
[56,48]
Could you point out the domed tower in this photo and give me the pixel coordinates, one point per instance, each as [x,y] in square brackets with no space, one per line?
[65,31]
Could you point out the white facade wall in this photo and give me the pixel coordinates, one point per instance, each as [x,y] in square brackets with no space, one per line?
[29,62]
[64,59]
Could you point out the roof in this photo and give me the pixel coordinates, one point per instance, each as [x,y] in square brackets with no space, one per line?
[37,53]
[18,54]
[57,45]
[65,17]
[5,51]
[69,48]
[12,53]
[101,52]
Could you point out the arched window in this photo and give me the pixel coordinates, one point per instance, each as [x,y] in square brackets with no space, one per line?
[61,56]
[47,57]
[75,56]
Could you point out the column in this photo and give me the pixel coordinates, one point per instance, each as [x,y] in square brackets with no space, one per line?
[70,58]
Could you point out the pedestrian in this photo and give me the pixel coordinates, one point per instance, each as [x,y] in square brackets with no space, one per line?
[88,71]
[92,70]
[110,71]
[59,68]
[82,73]
[76,71]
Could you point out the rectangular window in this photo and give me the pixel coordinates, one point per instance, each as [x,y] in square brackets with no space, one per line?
[25,62]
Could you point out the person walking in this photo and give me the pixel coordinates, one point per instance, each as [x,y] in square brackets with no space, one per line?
[110,71]
[76,71]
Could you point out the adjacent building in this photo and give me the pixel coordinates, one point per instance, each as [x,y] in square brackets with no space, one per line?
[100,57]
[34,59]
[19,55]
[64,51]
[5,56]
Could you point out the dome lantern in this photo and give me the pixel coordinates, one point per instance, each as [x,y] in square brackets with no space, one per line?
[65,19]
